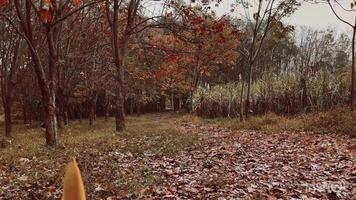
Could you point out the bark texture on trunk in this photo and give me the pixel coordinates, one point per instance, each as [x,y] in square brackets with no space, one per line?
[120,110]
[352,89]
[118,53]
[8,125]
[46,82]
[7,76]
[51,121]
[119,46]
[50,101]
[92,109]
[249,83]
[107,105]
[24,113]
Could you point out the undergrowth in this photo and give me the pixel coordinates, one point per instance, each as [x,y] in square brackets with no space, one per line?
[338,121]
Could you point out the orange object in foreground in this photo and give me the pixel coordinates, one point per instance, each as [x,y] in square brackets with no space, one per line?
[73,188]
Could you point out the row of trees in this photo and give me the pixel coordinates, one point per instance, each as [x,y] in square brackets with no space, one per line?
[78,50]
[111,57]
[63,38]
[309,71]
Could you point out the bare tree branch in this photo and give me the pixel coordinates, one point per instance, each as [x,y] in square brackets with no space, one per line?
[335,13]
[75,11]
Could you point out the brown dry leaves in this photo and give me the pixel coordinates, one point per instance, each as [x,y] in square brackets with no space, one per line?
[227,165]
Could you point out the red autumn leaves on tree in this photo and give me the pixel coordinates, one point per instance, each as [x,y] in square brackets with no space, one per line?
[2,3]
[76,2]
[47,9]
[190,54]
[203,24]
[170,73]
[169,69]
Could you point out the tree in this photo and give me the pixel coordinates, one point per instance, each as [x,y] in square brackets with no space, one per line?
[267,15]
[121,34]
[353,26]
[10,57]
[47,15]
[204,43]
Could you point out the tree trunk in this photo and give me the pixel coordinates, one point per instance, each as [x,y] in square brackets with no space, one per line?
[229,105]
[131,106]
[80,113]
[92,109]
[304,94]
[162,103]
[179,102]
[24,113]
[65,110]
[51,120]
[7,86]
[120,109]
[65,116]
[91,113]
[7,110]
[248,90]
[119,47]
[60,118]
[352,92]
[242,100]
[106,113]
[107,105]
[120,113]
[191,103]
[60,104]
[91,116]
[46,84]
[51,115]
[30,114]
[138,108]
[352,87]
[172,101]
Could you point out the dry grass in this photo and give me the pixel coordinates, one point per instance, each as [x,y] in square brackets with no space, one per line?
[154,134]
[338,121]
[144,136]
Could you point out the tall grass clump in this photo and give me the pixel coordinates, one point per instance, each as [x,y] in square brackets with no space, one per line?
[286,94]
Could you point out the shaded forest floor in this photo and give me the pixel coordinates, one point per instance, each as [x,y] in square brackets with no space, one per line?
[163,156]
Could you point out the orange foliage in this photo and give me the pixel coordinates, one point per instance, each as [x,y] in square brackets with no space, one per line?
[76,2]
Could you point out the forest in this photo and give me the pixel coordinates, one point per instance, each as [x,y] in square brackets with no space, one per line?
[174,99]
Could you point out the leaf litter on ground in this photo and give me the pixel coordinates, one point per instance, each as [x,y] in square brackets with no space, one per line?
[217,164]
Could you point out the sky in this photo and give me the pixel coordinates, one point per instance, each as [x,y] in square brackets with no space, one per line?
[310,14]
[314,15]
[321,16]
